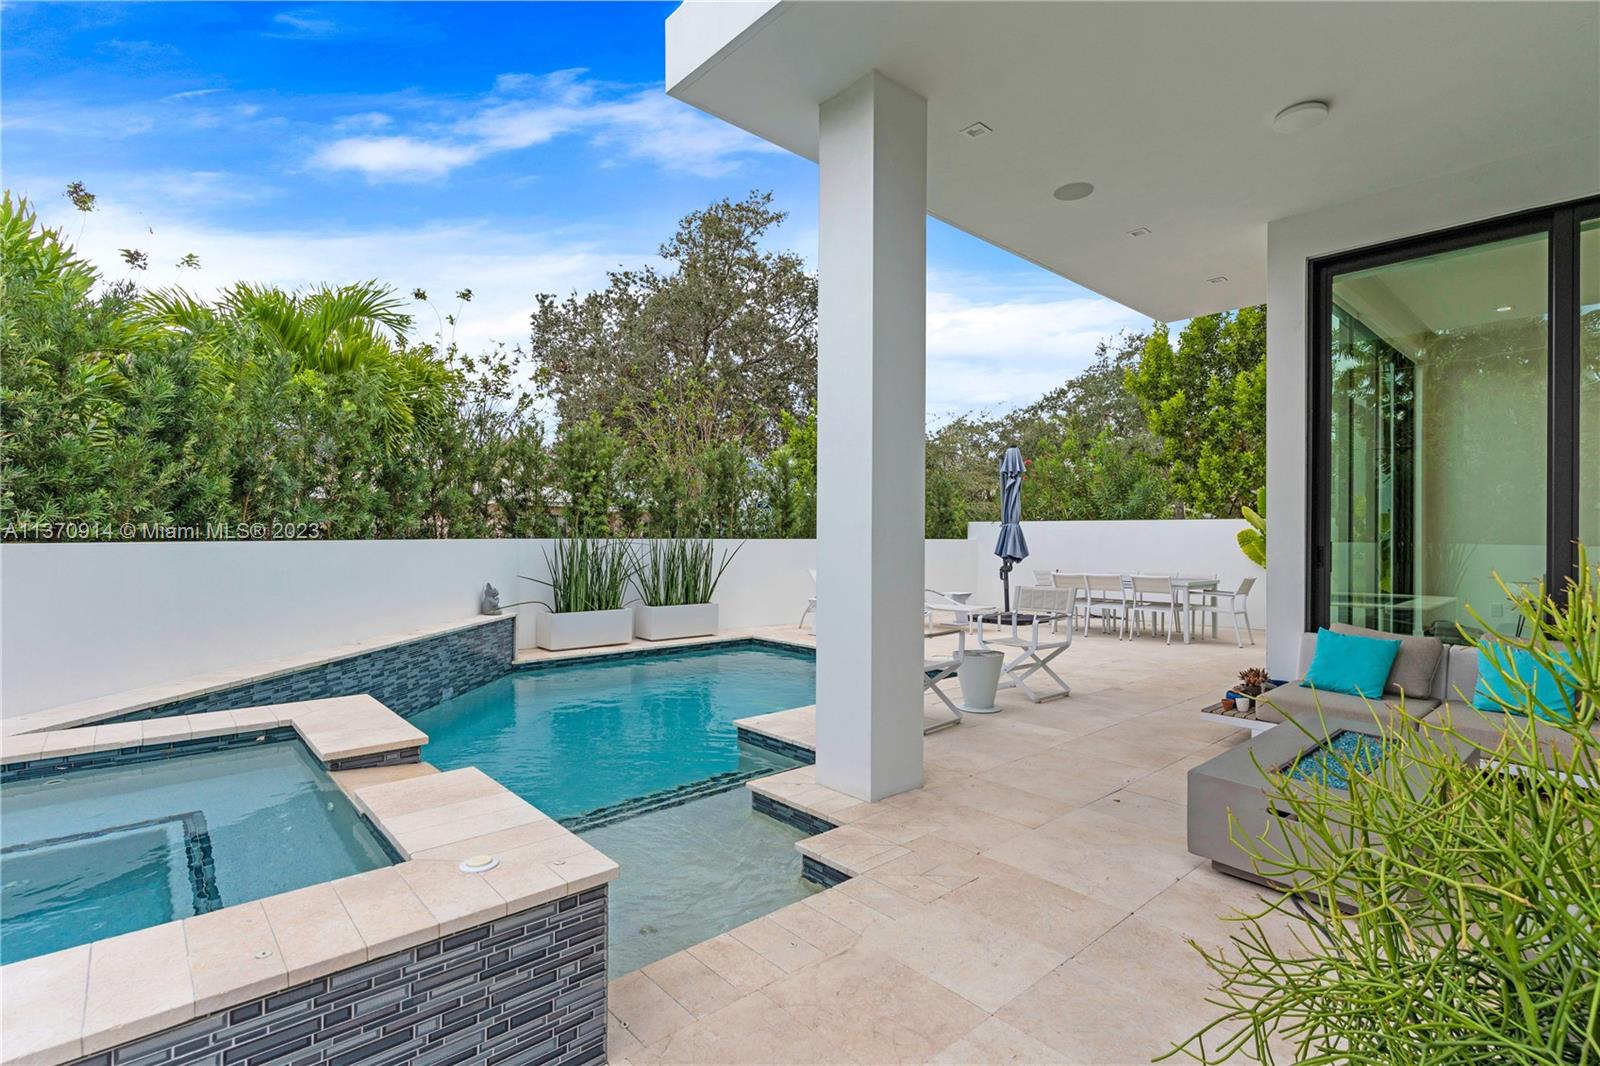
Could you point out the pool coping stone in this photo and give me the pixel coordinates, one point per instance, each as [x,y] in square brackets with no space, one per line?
[192,967]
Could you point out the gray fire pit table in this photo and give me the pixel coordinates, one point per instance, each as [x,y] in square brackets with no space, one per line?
[1233,782]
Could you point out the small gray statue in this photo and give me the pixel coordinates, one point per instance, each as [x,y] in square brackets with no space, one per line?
[489,600]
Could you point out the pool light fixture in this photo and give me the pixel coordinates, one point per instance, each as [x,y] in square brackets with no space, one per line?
[1073,190]
[478,864]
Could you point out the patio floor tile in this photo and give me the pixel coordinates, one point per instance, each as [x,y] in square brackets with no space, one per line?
[877,1010]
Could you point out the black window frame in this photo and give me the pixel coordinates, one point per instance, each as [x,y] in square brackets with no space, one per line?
[1559,223]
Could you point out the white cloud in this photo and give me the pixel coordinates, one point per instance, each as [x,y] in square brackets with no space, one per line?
[393,158]
[503,267]
[996,352]
[192,94]
[365,120]
[524,110]
[304,24]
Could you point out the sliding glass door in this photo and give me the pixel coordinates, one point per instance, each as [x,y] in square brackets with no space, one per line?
[1443,460]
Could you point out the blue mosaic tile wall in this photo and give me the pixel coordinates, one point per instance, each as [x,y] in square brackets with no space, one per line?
[406,678]
[808,823]
[132,756]
[529,988]
[782,747]
[821,873]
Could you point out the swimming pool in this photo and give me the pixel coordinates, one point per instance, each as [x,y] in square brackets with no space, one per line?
[94,853]
[640,757]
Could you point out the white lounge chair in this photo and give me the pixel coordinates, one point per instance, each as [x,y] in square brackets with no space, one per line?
[811,604]
[934,673]
[1020,632]
[939,670]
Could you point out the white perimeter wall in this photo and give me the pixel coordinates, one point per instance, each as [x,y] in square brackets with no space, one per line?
[1551,176]
[83,620]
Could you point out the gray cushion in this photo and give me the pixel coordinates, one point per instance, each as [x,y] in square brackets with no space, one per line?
[1416,666]
[1295,701]
[1486,728]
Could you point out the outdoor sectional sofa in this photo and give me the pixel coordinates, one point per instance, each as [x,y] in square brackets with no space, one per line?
[1430,684]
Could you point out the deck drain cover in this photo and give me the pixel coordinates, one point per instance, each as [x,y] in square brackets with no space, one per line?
[477,864]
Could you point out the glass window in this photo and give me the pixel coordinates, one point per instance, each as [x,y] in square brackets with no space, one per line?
[1439,379]
[1589,387]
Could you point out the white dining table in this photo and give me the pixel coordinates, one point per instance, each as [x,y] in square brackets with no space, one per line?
[1184,587]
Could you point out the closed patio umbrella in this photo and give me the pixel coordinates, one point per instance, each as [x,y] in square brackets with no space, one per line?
[1012,547]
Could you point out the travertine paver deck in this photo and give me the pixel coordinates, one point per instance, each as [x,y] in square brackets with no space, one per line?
[1031,903]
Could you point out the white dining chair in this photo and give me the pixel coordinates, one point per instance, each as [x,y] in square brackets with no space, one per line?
[1234,603]
[1155,600]
[1106,599]
[1073,595]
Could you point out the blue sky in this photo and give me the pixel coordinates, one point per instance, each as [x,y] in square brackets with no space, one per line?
[509,148]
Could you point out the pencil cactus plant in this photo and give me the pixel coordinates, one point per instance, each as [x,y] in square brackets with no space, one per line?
[1448,910]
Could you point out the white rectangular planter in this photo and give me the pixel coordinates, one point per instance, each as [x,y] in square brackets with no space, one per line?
[583,629]
[670,623]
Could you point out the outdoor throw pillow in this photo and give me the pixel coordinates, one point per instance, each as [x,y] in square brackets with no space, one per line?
[1344,662]
[1495,692]
[1416,665]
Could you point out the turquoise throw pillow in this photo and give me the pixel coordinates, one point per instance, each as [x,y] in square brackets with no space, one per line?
[1494,692]
[1354,665]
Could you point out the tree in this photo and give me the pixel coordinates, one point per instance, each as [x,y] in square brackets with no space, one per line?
[715,349]
[587,459]
[356,329]
[1093,455]
[1206,401]
[76,443]
[944,506]
[1105,477]
[790,481]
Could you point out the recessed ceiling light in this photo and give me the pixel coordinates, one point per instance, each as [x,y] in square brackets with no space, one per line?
[1140,232]
[1073,190]
[1301,116]
[1218,280]
[1503,309]
[977,129]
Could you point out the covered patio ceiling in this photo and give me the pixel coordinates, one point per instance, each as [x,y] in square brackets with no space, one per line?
[1166,108]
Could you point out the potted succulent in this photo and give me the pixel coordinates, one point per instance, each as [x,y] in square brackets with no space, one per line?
[1253,681]
[676,580]
[588,580]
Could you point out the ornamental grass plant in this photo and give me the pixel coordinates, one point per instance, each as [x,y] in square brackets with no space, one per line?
[1447,908]
[586,575]
[671,573]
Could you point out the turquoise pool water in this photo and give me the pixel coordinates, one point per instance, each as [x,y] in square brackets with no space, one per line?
[573,739]
[95,853]
[612,749]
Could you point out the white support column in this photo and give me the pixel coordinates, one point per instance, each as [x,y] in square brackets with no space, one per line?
[871,348]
